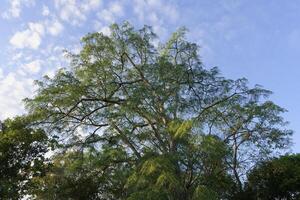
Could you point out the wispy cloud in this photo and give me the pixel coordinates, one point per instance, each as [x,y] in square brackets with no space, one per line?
[73,11]
[55,27]
[45,11]
[15,8]
[33,67]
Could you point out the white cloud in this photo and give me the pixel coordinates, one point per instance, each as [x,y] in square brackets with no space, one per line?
[30,38]
[74,11]
[45,11]
[21,73]
[1,74]
[156,13]
[16,7]
[100,27]
[71,13]
[105,30]
[163,8]
[90,5]
[37,27]
[50,73]
[33,67]
[55,28]
[111,13]
[116,8]
[13,89]
[106,16]
[17,56]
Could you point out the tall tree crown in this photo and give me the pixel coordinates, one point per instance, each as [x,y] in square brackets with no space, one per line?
[157,103]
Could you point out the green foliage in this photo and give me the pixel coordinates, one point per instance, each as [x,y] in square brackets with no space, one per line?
[84,175]
[22,151]
[278,178]
[204,193]
[182,131]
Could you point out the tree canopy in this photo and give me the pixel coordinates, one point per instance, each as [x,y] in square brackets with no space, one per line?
[139,120]
[278,178]
[22,150]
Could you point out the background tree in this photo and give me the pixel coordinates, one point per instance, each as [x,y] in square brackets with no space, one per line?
[278,178]
[182,127]
[22,151]
[84,175]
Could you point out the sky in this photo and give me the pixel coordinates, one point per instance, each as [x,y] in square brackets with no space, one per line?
[259,40]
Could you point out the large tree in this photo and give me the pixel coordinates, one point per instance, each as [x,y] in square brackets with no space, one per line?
[185,129]
[22,151]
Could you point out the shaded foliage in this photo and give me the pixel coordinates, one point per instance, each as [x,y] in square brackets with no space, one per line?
[79,175]
[22,151]
[278,178]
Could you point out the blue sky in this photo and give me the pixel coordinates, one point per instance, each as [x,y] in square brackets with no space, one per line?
[259,40]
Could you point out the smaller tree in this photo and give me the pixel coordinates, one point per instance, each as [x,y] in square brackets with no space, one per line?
[84,175]
[22,152]
[275,179]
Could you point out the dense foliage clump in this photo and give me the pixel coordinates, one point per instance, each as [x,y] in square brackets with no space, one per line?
[22,151]
[278,178]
